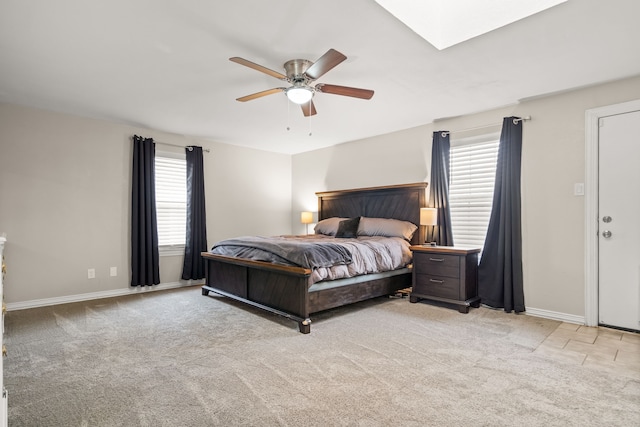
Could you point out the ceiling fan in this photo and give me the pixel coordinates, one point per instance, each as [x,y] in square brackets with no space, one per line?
[301,73]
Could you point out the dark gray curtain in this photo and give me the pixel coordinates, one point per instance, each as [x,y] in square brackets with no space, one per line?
[500,271]
[439,190]
[145,260]
[196,240]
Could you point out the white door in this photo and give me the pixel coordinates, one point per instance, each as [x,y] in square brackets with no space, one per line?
[619,221]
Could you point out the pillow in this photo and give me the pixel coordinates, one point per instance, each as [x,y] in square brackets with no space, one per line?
[328,226]
[348,228]
[386,227]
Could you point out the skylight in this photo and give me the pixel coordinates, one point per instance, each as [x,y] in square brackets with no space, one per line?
[444,23]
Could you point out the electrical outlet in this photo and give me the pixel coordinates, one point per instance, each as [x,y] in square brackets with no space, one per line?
[91,273]
[113,271]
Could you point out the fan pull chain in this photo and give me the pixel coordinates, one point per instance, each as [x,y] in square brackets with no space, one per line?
[288,115]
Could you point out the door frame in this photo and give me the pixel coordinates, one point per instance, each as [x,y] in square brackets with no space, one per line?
[592,125]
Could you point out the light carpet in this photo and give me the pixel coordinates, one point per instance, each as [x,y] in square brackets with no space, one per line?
[177,358]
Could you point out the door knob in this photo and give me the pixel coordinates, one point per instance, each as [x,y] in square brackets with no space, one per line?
[606,219]
[606,234]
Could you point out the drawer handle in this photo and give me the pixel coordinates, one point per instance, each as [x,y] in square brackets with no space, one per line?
[436,281]
[436,259]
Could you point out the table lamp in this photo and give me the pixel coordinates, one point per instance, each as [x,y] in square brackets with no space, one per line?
[306,218]
[429,218]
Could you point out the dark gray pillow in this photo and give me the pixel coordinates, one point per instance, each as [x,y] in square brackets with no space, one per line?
[348,228]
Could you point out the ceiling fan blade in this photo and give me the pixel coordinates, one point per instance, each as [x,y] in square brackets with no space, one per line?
[325,63]
[257,67]
[345,91]
[308,109]
[260,94]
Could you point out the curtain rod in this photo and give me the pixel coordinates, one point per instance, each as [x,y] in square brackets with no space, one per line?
[515,121]
[190,147]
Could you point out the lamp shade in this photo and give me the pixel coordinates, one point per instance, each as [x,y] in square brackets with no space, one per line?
[428,216]
[299,95]
[306,217]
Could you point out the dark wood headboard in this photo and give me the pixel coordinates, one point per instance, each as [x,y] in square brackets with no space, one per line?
[394,201]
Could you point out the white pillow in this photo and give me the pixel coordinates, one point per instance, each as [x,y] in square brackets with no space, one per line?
[386,227]
[328,226]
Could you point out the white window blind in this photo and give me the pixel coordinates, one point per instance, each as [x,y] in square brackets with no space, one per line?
[171,199]
[473,171]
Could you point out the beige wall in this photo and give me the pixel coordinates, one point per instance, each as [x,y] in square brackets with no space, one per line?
[398,158]
[65,200]
[553,161]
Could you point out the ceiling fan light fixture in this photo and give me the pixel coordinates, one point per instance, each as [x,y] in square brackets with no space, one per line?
[299,95]
[301,74]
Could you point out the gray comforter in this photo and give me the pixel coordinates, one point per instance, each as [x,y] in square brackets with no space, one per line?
[287,251]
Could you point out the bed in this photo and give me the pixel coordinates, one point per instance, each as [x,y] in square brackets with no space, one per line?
[287,290]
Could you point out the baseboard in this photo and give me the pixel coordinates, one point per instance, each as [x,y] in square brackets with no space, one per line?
[554,315]
[98,295]
[537,312]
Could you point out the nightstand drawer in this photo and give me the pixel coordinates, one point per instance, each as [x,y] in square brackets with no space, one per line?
[437,264]
[437,286]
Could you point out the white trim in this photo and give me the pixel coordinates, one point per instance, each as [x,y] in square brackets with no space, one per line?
[98,295]
[554,315]
[591,219]
[591,123]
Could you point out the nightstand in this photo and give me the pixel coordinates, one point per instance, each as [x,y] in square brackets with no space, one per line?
[447,274]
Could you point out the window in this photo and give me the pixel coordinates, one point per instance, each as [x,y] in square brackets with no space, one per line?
[473,169]
[171,202]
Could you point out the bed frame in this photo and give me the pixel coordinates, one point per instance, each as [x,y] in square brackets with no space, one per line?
[285,290]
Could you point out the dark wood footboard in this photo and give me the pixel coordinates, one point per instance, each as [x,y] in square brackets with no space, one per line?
[279,289]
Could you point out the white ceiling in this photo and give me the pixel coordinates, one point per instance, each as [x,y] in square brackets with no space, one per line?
[163,64]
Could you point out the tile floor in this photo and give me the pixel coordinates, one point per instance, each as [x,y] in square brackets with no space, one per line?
[596,347]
